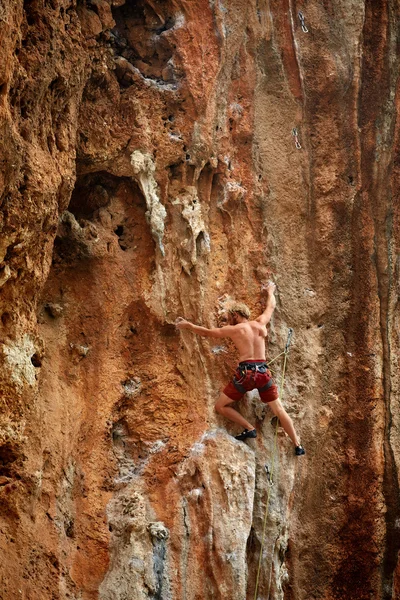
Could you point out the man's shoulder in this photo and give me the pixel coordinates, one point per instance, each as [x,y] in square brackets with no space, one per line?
[255,323]
[247,326]
[234,329]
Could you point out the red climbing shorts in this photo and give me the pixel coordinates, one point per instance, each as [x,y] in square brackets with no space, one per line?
[250,375]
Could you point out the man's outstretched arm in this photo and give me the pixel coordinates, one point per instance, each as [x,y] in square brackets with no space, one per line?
[215,332]
[265,317]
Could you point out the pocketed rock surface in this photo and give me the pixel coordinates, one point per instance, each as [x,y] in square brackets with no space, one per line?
[149,170]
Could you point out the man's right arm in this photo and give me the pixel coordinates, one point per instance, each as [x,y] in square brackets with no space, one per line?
[265,317]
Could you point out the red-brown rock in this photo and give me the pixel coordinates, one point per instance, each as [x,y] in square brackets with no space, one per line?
[150,170]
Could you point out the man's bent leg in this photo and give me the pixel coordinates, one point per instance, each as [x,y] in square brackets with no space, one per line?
[230,413]
[286,421]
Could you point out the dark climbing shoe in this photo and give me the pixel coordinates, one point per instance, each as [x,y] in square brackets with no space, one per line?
[299,451]
[246,434]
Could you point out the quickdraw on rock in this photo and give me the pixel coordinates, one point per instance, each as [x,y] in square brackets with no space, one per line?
[267,471]
[296,138]
[303,23]
[289,339]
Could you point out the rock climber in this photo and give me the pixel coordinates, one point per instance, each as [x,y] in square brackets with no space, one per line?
[252,371]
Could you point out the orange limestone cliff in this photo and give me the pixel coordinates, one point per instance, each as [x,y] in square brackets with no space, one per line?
[159,157]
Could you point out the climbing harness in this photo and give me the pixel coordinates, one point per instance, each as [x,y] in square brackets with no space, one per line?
[246,368]
[270,473]
[296,138]
[303,23]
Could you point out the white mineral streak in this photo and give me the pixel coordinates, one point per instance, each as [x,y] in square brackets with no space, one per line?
[233,191]
[216,484]
[70,219]
[199,240]
[143,168]
[179,22]
[217,487]
[5,275]
[158,530]
[138,549]
[18,359]
[273,573]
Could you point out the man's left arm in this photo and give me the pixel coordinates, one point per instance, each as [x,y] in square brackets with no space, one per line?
[215,332]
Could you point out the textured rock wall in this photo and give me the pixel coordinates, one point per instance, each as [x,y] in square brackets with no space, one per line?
[149,169]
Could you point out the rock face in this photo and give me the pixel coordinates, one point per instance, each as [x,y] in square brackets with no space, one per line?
[158,156]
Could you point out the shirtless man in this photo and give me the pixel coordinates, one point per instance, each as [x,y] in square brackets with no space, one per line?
[252,371]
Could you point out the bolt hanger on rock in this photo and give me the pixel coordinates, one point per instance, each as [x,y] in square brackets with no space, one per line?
[303,23]
[296,138]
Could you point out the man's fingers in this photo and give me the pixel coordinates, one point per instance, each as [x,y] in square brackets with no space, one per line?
[180,322]
[268,286]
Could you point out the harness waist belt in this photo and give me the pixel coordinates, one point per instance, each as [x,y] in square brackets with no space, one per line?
[259,365]
[253,364]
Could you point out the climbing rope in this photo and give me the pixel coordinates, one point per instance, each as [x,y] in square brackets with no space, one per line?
[273,360]
[270,474]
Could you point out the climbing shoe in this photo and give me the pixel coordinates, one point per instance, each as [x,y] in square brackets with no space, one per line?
[246,434]
[299,451]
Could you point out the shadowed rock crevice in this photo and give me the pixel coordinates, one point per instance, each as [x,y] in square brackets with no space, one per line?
[8,455]
[142,42]
[91,193]
[103,209]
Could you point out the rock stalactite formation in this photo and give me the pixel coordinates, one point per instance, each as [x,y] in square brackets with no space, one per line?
[157,158]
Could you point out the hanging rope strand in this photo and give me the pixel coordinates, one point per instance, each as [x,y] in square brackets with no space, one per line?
[274,359]
[271,475]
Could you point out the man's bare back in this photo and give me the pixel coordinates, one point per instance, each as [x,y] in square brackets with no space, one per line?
[249,339]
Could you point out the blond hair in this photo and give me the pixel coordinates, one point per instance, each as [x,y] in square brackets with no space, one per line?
[239,308]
